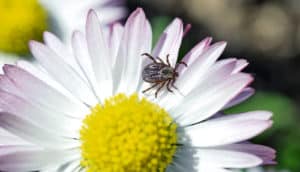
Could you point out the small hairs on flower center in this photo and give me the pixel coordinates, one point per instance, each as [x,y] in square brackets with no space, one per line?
[127,134]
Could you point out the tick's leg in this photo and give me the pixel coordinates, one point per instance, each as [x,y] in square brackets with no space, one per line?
[169,86]
[156,84]
[180,63]
[160,87]
[159,59]
[149,56]
[168,60]
[173,84]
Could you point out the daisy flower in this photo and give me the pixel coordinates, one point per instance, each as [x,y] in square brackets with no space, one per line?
[20,22]
[85,110]
[71,14]
[26,20]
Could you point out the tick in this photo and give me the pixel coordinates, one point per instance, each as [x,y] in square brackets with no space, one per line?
[160,74]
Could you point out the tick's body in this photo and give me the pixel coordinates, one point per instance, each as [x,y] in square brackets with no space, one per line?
[157,72]
[160,74]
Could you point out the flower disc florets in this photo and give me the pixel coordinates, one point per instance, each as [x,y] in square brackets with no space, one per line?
[128,134]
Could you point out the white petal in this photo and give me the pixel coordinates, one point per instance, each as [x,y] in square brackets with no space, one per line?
[7,59]
[147,48]
[128,67]
[111,14]
[36,70]
[202,168]
[169,42]
[217,74]
[265,153]
[83,58]
[60,49]
[62,72]
[256,115]
[24,85]
[184,160]
[32,133]
[240,65]
[59,123]
[194,73]
[66,21]
[244,95]
[7,85]
[73,166]
[194,53]
[214,76]
[228,130]
[20,159]
[7,138]
[100,56]
[206,101]
[227,158]
[115,38]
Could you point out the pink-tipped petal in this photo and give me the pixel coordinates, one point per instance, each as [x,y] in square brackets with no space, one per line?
[265,153]
[240,65]
[33,89]
[244,95]
[44,118]
[132,47]
[227,158]
[194,53]
[115,37]
[203,167]
[187,28]
[252,115]
[83,59]
[8,139]
[26,158]
[100,56]
[59,70]
[170,41]
[200,105]
[219,72]
[194,73]
[34,134]
[61,50]
[217,132]
[8,86]
[38,72]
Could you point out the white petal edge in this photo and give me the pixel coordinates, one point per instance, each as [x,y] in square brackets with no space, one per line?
[21,83]
[20,159]
[34,134]
[228,130]
[206,101]
[227,158]
[100,56]
[197,70]
[62,72]
[169,42]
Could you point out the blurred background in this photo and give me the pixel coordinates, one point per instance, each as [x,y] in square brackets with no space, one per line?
[265,32]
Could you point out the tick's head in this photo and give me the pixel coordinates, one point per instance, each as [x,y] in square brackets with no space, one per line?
[176,74]
[167,72]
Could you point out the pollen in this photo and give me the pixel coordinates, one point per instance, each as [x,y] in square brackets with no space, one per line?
[127,134]
[21,21]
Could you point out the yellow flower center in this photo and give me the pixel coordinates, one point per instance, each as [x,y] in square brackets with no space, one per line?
[21,21]
[127,134]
